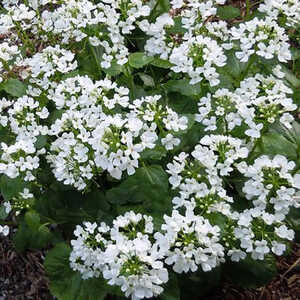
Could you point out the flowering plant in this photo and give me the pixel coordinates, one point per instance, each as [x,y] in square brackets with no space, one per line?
[153,144]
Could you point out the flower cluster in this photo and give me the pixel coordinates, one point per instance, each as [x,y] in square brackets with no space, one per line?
[288,9]
[263,38]
[125,254]
[257,103]
[88,136]
[271,186]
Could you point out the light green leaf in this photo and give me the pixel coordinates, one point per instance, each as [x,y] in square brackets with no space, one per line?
[114,70]
[290,77]
[161,63]
[41,141]
[183,87]
[228,12]
[14,87]
[274,143]
[139,59]
[147,80]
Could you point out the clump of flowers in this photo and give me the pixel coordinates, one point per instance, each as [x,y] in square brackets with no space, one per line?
[263,38]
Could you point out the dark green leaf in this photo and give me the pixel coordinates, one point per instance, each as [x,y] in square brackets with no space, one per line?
[198,284]
[3,213]
[182,104]
[149,186]
[171,290]
[251,273]
[233,66]
[156,153]
[10,188]
[65,284]
[32,219]
[183,87]
[293,220]
[41,141]
[27,237]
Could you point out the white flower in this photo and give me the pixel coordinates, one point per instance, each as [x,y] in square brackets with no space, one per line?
[284,232]
[7,206]
[190,241]
[170,141]
[236,255]
[4,230]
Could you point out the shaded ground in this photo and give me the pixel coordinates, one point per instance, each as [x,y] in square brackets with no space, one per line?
[286,286]
[22,277]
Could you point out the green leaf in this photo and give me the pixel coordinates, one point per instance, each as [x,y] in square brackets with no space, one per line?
[290,77]
[198,284]
[41,141]
[139,59]
[293,219]
[177,28]
[14,87]
[10,188]
[160,7]
[161,63]
[28,237]
[183,87]
[182,104]
[114,70]
[156,153]
[295,53]
[228,12]
[3,213]
[66,284]
[274,143]
[147,80]
[32,219]
[233,66]
[291,134]
[189,139]
[171,290]
[149,186]
[70,74]
[250,273]
[97,52]
[70,207]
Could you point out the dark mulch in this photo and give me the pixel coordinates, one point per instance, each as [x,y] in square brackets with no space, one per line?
[22,277]
[286,286]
